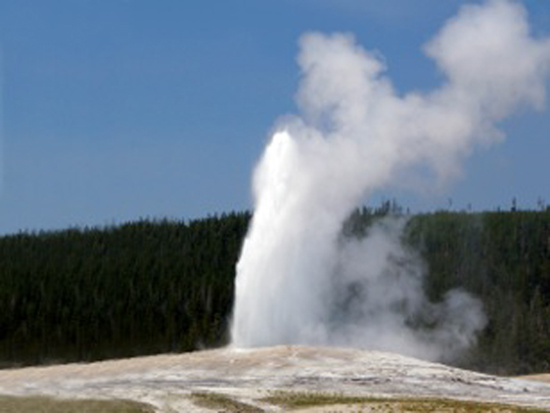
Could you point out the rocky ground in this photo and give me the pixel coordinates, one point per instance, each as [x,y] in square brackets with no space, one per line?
[172,382]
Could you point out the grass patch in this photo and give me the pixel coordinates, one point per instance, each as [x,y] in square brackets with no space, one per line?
[36,404]
[301,400]
[222,402]
[296,400]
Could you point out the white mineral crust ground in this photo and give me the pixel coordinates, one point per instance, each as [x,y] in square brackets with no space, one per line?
[167,381]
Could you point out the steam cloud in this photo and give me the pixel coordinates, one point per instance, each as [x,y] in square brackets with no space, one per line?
[298,281]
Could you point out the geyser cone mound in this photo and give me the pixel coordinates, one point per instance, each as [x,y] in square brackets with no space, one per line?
[168,381]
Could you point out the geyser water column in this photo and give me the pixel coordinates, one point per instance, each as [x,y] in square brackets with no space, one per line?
[292,243]
[355,135]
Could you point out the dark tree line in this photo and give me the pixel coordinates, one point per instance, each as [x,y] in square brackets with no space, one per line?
[504,259]
[140,288]
[164,286]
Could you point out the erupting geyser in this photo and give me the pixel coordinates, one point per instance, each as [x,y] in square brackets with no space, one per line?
[298,281]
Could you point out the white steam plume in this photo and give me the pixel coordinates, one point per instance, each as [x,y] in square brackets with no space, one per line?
[297,282]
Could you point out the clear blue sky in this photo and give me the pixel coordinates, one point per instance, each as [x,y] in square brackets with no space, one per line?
[114,110]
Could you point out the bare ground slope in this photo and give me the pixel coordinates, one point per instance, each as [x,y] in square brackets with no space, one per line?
[248,376]
[545,378]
